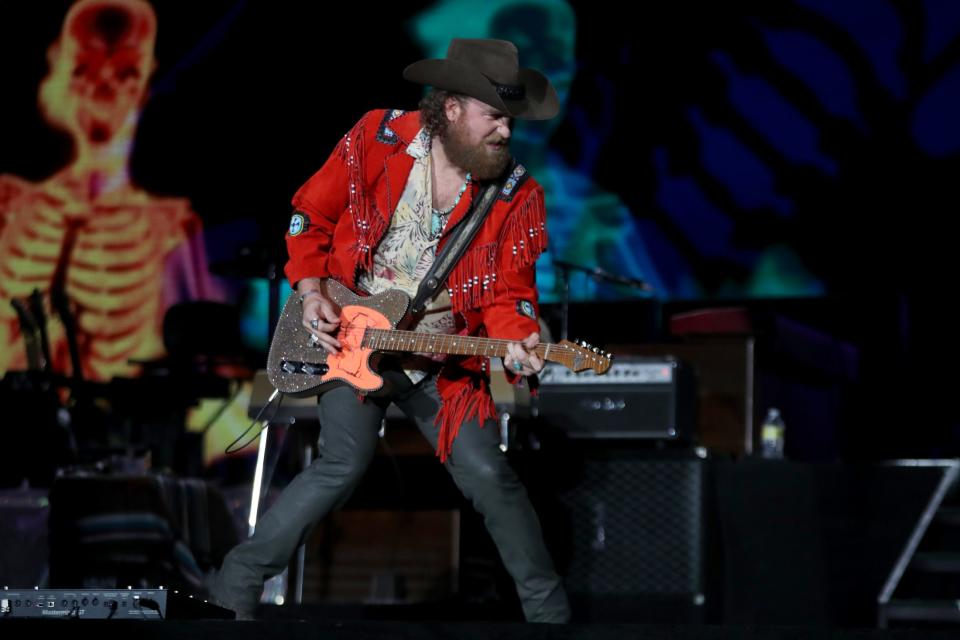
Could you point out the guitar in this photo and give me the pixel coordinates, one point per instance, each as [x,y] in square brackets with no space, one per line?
[298,367]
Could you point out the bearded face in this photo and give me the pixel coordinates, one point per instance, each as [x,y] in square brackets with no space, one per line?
[478,141]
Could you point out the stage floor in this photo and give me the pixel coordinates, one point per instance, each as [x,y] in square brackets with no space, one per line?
[310,629]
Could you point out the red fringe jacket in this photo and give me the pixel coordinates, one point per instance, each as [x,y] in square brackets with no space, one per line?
[346,208]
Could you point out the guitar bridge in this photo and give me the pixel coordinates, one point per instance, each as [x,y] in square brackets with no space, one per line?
[306,368]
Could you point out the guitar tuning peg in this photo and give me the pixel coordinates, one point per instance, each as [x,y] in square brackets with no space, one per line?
[596,350]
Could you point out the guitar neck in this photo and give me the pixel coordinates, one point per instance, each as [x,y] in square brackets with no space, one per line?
[420,342]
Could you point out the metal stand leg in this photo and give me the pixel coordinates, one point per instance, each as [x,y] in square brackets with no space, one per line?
[302,551]
[504,431]
[275,588]
[256,491]
[257,480]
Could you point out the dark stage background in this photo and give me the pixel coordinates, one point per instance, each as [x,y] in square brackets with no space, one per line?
[787,165]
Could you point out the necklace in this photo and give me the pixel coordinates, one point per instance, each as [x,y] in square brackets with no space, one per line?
[440,216]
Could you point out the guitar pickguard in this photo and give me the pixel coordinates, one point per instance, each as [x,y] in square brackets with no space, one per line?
[298,367]
[352,363]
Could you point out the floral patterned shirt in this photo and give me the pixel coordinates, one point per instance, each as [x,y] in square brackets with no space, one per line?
[408,248]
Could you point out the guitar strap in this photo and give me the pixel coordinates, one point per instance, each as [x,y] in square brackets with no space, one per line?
[460,239]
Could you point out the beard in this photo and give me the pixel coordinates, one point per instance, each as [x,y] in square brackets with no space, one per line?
[481,162]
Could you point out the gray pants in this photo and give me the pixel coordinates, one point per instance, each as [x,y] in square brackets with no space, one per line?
[348,440]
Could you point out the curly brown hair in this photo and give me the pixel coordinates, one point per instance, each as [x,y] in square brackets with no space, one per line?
[433,116]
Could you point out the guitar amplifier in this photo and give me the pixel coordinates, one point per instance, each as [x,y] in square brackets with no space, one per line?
[637,398]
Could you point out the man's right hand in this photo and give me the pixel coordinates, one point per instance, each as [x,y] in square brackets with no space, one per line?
[321,319]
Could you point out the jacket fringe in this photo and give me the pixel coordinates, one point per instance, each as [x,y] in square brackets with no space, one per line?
[467,402]
[471,282]
[525,234]
[368,225]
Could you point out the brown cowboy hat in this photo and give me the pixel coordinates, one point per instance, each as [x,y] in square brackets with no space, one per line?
[489,70]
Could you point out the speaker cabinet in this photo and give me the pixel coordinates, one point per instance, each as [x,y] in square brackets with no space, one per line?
[636,527]
[638,543]
[626,526]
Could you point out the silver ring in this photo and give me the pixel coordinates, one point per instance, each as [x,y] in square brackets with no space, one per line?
[314,339]
[315,323]
[517,366]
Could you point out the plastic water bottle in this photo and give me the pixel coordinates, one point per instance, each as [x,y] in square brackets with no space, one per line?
[771,434]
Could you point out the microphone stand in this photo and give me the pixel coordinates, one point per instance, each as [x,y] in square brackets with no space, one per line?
[597,274]
[600,274]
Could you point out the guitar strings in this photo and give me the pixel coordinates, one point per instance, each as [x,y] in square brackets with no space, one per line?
[541,346]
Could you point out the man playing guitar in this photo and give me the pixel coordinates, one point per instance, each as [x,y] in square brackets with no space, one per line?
[371,222]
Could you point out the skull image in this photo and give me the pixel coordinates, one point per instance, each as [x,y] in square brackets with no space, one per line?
[99,68]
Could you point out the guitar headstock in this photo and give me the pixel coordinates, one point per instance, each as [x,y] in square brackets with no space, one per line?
[580,356]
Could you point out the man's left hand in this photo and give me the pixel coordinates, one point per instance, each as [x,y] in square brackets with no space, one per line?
[521,358]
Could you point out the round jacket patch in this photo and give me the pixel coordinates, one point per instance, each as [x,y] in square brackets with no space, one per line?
[298,224]
[525,308]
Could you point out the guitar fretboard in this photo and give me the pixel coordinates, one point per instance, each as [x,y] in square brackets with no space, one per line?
[421,342]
